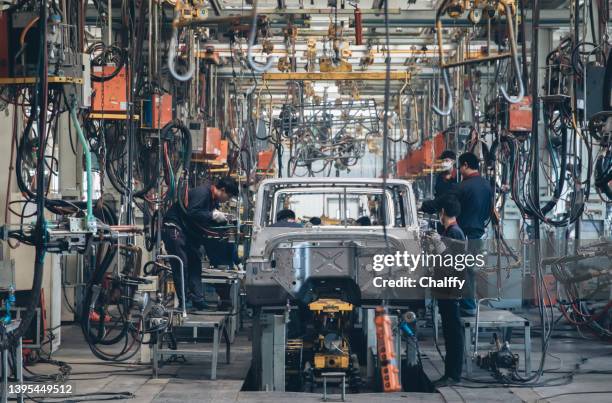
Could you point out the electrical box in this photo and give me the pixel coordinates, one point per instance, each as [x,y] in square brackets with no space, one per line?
[595,76]
[222,158]
[213,142]
[197,136]
[20,42]
[110,96]
[265,160]
[205,144]
[519,116]
[157,111]
[81,92]
[85,95]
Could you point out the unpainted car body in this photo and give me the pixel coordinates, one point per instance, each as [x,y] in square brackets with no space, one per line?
[287,264]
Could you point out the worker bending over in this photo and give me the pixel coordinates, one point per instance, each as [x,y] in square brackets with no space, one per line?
[184,232]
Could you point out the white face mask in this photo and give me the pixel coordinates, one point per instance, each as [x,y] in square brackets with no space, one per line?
[447,165]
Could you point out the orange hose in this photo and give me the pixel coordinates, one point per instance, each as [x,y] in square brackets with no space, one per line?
[26,29]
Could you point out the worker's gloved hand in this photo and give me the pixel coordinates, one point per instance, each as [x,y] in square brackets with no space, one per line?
[435,245]
[219,217]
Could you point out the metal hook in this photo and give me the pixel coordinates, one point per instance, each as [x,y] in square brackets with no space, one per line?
[252,63]
[449,97]
[515,62]
[171,59]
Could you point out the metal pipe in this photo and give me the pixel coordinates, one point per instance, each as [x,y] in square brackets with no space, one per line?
[172,55]
[252,63]
[151,43]
[449,97]
[477,320]
[110,22]
[91,220]
[515,62]
[154,45]
[447,87]
[182,279]
[478,60]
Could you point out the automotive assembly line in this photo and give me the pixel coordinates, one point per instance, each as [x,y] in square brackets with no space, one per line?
[272,201]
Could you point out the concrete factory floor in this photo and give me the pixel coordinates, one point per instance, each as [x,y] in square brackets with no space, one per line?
[189,381]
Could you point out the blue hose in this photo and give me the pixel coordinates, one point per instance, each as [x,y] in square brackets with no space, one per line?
[8,302]
[406,329]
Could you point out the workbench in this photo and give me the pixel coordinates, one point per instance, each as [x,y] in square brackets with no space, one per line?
[197,321]
[232,278]
[495,318]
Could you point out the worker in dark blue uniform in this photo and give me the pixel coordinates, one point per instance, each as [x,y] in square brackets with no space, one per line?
[448,302]
[476,197]
[183,235]
[446,183]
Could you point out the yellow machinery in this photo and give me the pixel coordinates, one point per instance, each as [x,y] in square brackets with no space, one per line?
[331,350]
[320,340]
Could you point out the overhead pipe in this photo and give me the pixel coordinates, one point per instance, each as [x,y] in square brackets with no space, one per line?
[449,97]
[515,63]
[447,87]
[172,56]
[251,61]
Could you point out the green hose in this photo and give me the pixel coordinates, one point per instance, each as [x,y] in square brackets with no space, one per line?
[75,121]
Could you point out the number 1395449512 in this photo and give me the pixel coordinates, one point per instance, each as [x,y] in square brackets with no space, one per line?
[40,389]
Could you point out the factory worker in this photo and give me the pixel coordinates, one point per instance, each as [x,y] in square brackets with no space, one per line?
[476,197]
[448,302]
[184,230]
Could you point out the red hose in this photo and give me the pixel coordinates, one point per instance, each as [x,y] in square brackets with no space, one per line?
[592,319]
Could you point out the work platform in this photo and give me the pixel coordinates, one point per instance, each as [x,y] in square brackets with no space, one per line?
[189,381]
[216,322]
[499,319]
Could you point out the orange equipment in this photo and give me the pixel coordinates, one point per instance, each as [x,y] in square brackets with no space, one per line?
[389,369]
[421,159]
[206,145]
[221,159]
[110,96]
[519,119]
[158,113]
[265,161]
[213,142]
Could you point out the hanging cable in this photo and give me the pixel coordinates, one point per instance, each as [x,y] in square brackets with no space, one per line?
[255,66]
